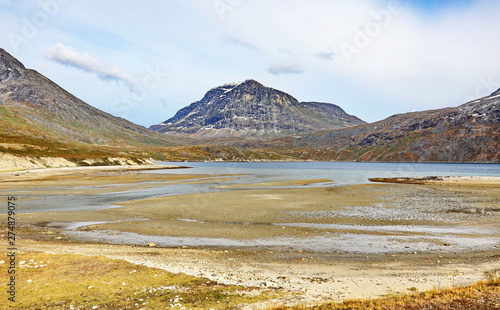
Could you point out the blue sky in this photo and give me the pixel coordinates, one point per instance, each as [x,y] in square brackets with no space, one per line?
[433,6]
[144,60]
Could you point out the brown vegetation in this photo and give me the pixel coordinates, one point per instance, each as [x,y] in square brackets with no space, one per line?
[484,295]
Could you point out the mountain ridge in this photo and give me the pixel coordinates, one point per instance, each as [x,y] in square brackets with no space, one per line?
[38,118]
[43,119]
[467,133]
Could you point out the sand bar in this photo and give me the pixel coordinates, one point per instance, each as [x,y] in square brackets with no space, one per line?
[41,173]
[444,180]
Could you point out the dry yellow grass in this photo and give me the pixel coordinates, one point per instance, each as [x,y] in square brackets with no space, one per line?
[484,295]
[45,281]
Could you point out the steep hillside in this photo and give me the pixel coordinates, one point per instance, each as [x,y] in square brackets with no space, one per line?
[250,109]
[39,118]
[468,133]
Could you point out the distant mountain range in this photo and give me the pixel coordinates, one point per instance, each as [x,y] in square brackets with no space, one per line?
[250,109]
[235,122]
[467,133]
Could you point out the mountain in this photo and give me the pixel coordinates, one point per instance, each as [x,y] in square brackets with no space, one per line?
[250,109]
[40,121]
[467,133]
[39,118]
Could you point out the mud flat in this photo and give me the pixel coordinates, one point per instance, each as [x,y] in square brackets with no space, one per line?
[366,219]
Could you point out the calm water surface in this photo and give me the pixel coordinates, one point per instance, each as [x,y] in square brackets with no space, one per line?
[254,172]
[341,173]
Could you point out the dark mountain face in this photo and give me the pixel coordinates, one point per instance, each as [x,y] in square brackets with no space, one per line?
[251,109]
[10,68]
[33,106]
[467,133]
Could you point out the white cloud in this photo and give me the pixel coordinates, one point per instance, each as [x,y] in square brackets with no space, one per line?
[239,42]
[286,68]
[330,55]
[67,56]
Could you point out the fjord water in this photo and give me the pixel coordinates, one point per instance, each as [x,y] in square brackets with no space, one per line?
[341,173]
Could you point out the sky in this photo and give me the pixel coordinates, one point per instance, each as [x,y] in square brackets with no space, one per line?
[145,60]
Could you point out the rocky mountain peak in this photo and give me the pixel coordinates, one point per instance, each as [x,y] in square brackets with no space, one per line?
[246,87]
[10,68]
[252,109]
[497,92]
[251,83]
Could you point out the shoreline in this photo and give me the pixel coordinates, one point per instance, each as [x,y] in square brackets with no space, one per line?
[38,173]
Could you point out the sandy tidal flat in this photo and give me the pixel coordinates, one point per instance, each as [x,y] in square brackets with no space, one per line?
[365,218]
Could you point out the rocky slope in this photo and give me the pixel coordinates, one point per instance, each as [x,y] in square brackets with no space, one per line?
[39,118]
[250,109]
[467,133]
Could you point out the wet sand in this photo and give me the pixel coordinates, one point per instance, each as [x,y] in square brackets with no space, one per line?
[324,243]
[277,183]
